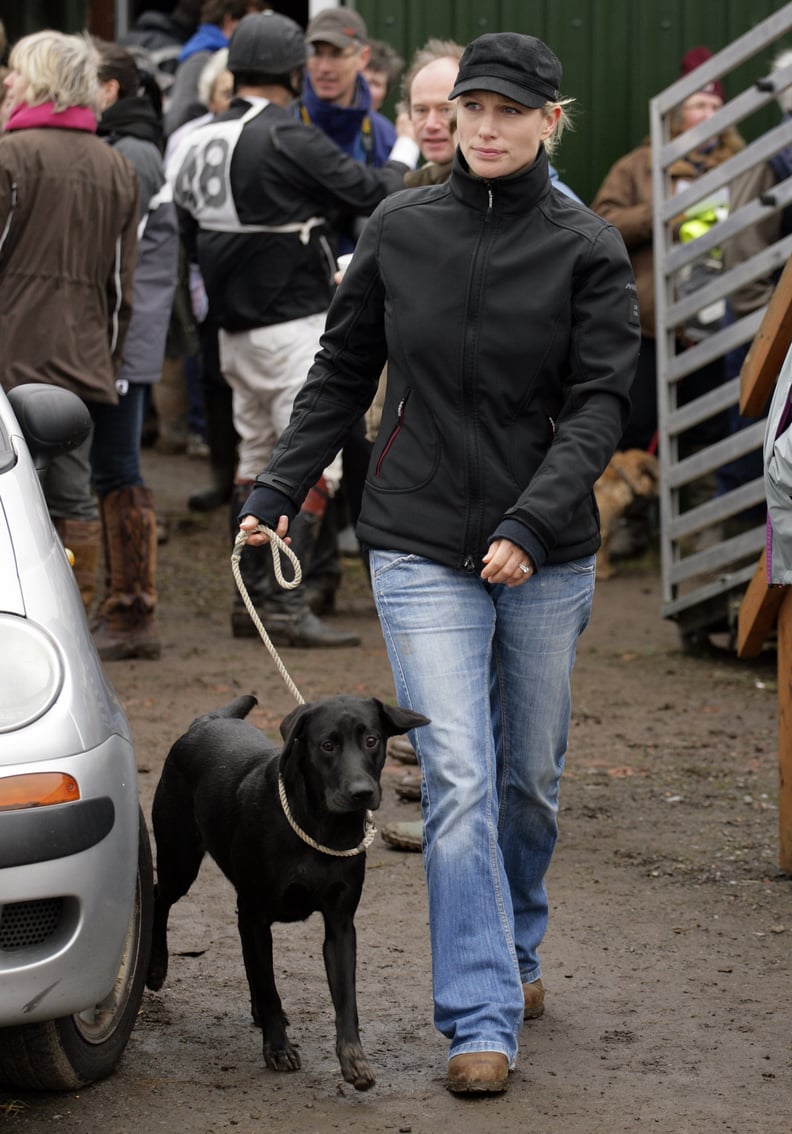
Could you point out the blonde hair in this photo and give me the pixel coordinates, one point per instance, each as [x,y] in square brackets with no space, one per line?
[211,73]
[564,122]
[57,68]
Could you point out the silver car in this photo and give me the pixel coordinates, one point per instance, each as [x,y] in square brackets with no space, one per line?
[75,861]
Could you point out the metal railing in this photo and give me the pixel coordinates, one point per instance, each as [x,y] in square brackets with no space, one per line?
[708,551]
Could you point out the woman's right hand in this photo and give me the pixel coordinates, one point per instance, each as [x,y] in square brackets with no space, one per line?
[250,523]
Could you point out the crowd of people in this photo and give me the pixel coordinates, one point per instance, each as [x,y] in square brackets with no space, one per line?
[453,410]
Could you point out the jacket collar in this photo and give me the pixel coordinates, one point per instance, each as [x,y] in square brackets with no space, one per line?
[512,194]
[132,117]
[24,117]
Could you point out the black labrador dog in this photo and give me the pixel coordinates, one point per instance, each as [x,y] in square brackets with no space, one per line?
[287,828]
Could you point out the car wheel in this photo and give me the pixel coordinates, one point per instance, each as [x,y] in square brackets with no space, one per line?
[65,1054]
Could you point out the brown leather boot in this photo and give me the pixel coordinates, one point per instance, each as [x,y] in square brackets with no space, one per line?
[83,538]
[478,1072]
[533,997]
[127,625]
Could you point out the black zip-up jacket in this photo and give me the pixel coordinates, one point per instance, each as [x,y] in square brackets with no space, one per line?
[279,172]
[508,316]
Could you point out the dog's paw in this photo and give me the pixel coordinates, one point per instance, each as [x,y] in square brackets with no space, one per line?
[283,1058]
[355,1067]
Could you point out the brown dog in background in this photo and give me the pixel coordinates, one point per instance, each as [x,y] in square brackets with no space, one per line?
[630,473]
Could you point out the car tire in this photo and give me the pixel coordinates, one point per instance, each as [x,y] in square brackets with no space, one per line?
[71,1052]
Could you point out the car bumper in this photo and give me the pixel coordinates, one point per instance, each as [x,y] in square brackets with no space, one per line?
[67,882]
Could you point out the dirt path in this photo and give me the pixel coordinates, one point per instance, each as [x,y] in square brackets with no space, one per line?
[667,960]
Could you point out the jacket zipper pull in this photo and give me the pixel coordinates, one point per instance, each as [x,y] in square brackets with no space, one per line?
[470,564]
[488,214]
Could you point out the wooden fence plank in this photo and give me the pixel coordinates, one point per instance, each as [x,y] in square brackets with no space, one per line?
[768,349]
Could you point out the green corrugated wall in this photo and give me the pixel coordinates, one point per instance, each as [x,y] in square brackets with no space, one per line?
[616,55]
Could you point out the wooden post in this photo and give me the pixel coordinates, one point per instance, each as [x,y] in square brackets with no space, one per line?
[763,605]
[785,734]
[760,609]
[768,349]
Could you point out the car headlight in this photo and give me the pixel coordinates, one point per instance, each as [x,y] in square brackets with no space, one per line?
[31,672]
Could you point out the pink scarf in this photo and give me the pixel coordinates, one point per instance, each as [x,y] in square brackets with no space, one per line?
[24,117]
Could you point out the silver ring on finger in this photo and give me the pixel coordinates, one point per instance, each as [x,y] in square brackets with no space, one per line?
[525,568]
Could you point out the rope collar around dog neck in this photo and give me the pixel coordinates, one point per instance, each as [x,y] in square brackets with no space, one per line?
[368,837]
[277,545]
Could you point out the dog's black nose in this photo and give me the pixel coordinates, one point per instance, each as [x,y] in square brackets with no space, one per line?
[362,793]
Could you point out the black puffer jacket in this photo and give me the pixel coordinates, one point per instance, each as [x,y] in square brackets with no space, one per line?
[277,172]
[508,316]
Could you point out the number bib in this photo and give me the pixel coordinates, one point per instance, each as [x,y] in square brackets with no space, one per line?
[202,180]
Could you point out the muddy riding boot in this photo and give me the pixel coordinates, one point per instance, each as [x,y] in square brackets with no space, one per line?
[127,626]
[286,618]
[255,567]
[83,538]
[321,584]
[289,622]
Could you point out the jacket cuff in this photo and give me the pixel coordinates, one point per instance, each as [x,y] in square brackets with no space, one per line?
[516,532]
[405,151]
[268,505]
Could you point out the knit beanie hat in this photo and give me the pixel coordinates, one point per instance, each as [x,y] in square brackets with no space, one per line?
[693,59]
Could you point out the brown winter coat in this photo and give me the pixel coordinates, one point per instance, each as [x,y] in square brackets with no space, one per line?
[68,236]
[625,199]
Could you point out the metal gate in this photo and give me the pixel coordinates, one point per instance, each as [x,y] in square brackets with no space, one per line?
[708,548]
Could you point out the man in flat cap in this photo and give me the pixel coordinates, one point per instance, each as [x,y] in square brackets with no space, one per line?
[336,97]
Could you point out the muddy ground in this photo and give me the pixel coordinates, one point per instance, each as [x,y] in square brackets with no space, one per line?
[667,960]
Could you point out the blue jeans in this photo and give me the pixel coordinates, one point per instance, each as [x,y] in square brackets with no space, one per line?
[490,665]
[115,452]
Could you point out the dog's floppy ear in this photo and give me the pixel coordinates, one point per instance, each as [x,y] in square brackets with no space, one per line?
[291,729]
[397,720]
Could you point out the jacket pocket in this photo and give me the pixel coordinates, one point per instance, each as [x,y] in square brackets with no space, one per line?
[394,433]
[408,449]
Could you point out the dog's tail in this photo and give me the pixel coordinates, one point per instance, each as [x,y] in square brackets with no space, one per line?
[238,708]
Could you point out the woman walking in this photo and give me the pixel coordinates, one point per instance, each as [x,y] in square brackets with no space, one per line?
[507,315]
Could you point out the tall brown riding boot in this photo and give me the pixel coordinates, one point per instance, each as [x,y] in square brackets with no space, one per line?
[127,626]
[83,538]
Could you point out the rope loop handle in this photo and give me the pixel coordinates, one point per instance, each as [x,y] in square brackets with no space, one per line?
[277,546]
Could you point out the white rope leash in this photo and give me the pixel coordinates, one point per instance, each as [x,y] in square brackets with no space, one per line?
[277,545]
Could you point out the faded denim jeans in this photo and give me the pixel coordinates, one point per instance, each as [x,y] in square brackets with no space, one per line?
[490,665]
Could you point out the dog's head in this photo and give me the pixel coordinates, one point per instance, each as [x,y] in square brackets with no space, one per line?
[639,469]
[336,746]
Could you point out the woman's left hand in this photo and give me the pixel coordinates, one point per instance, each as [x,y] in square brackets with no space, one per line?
[506,563]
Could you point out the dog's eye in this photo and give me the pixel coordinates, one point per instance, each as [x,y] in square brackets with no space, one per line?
[327,746]
[371,741]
